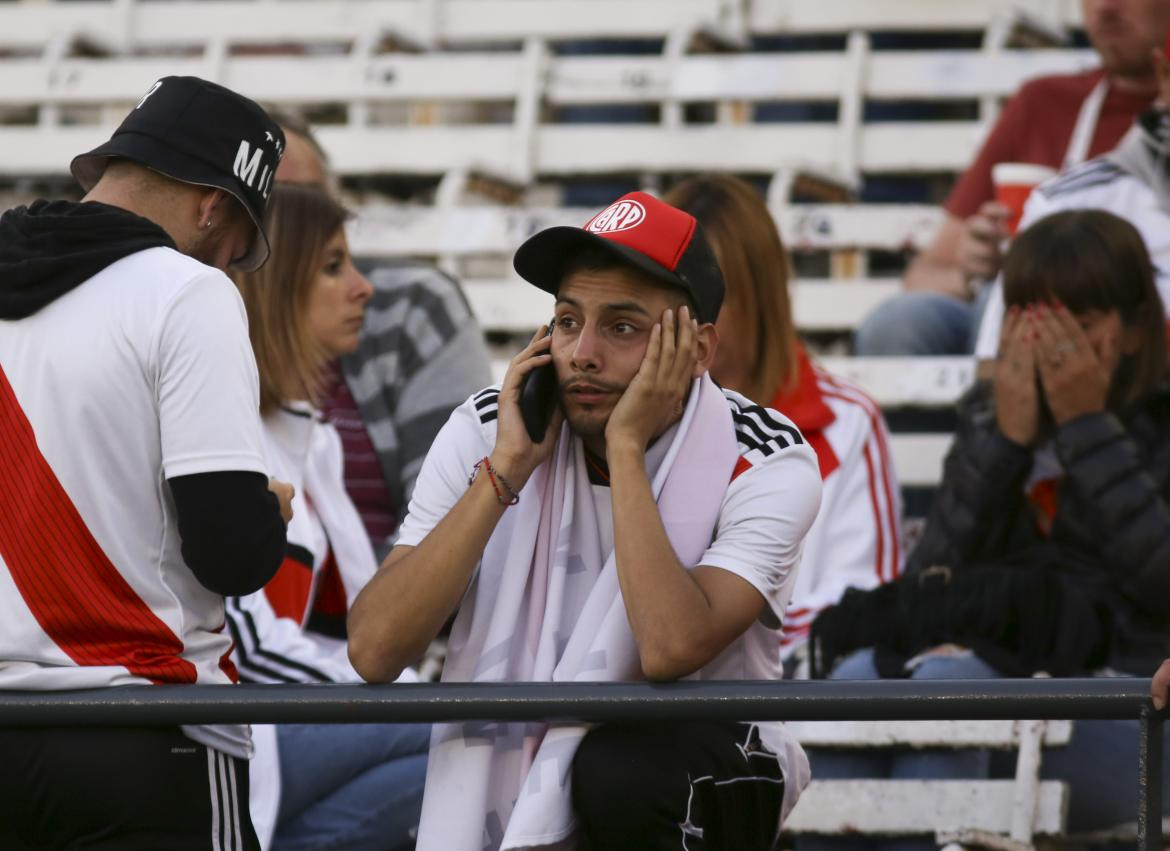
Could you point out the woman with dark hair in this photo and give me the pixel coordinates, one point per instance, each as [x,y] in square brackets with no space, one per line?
[338,786]
[1048,544]
[855,540]
[1064,455]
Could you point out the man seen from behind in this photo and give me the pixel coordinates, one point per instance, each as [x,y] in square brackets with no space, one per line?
[135,493]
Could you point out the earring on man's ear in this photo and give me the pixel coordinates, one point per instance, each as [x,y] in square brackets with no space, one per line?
[207,224]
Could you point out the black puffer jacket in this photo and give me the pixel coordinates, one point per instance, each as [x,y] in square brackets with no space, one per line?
[1113,508]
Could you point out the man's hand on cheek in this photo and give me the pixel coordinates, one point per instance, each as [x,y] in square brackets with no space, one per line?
[654,399]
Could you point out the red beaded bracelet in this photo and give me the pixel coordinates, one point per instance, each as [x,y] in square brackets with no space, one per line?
[497,479]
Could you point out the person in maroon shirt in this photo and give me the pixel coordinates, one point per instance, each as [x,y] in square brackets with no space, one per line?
[1038,125]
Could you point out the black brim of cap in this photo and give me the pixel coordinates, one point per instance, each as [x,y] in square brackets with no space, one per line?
[543,258]
[147,151]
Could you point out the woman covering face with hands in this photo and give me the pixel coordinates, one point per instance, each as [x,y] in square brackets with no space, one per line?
[1064,457]
[1083,332]
[1047,547]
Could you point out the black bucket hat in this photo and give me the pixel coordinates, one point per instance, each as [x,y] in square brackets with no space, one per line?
[197,132]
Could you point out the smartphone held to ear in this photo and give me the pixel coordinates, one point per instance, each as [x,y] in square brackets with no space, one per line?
[538,398]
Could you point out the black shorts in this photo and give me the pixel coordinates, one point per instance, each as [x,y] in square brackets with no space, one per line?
[120,788]
[677,786]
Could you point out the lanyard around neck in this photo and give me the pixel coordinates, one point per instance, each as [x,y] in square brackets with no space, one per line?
[1087,119]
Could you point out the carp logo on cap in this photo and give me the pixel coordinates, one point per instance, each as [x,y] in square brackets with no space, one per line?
[619,216]
[636,230]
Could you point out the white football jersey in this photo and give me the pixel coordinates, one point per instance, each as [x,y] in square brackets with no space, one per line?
[856,540]
[141,374]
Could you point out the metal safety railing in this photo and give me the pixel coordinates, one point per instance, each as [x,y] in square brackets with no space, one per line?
[882,700]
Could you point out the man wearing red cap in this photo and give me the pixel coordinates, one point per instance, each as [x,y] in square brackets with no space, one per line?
[637,523]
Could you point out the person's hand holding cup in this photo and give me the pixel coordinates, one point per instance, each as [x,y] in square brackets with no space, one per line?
[1014,182]
[986,234]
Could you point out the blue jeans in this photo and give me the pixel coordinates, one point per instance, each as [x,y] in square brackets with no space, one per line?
[1099,764]
[920,323]
[350,786]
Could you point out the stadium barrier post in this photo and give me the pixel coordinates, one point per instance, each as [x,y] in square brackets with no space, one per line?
[1150,779]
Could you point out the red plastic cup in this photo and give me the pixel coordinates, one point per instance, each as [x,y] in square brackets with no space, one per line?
[1014,182]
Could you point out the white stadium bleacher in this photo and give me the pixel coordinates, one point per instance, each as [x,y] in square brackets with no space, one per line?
[448,92]
[441,90]
[431,22]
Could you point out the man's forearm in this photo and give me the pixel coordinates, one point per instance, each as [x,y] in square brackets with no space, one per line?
[407,602]
[667,609]
[937,267]
[231,532]
[927,273]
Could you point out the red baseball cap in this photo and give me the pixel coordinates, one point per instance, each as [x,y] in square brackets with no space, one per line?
[638,230]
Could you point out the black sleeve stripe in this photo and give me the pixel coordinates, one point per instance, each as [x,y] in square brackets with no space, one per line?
[763,415]
[749,444]
[760,434]
[299,554]
[1093,173]
[249,671]
[249,623]
[771,424]
[308,670]
[746,440]
[758,429]
[1100,180]
[250,668]
[748,425]
[761,420]
[793,433]
[296,413]
[487,403]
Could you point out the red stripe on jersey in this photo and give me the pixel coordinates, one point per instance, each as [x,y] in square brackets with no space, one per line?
[847,393]
[80,600]
[228,666]
[879,545]
[805,405]
[741,466]
[330,599]
[879,436]
[827,459]
[288,591]
[225,661]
